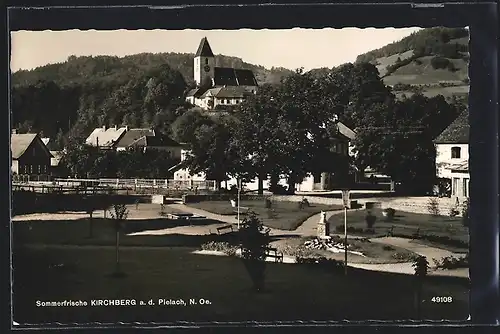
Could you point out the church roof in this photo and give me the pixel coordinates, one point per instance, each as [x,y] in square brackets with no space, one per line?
[457,132]
[196,92]
[204,49]
[227,76]
[227,92]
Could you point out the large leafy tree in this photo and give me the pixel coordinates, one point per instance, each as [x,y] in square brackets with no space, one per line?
[398,141]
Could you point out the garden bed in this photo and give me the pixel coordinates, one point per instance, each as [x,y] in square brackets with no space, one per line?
[373,253]
[282,215]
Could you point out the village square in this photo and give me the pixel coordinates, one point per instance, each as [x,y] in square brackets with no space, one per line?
[260,194]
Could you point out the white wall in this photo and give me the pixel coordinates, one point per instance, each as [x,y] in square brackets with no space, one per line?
[15,166]
[444,159]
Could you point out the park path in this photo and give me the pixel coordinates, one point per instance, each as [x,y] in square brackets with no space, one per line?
[308,228]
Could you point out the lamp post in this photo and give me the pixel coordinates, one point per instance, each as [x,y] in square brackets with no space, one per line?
[239,189]
[345,200]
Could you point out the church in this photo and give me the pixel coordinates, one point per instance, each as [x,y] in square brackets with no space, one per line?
[218,86]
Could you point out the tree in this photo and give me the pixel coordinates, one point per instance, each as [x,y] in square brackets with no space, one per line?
[184,127]
[119,214]
[209,152]
[421,266]
[90,207]
[397,140]
[254,241]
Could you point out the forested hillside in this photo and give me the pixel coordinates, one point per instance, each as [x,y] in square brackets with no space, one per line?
[85,92]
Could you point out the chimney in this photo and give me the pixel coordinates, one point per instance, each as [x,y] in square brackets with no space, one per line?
[14,131]
[116,127]
[104,127]
[126,128]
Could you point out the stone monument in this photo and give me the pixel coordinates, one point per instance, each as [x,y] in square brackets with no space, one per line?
[323,230]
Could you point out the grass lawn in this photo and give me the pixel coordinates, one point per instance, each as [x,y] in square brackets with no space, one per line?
[285,215]
[293,291]
[76,232]
[406,224]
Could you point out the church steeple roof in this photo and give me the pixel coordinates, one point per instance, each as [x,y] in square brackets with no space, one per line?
[204,49]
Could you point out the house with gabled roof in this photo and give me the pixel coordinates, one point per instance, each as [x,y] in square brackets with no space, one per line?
[106,138]
[452,156]
[218,85]
[30,156]
[131,135]
[159,142]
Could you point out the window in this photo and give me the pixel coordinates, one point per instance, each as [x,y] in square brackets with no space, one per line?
[454,186]
[466,187]
[45,168]
[25,169]
[206,61]
[39,169]
[228,101]
[317,177]
[455,152]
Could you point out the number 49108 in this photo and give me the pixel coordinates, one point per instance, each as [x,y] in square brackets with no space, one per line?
[446,299]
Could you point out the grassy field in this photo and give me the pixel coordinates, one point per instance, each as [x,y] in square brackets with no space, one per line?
[58,273]
[285,215]
[406,224]
[424,73]
[76,232]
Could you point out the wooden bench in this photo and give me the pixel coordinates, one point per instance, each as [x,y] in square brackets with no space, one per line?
[272,253]
[220,230]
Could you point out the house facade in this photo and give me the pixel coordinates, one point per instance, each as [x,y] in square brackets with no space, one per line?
[30,156]
[452,156]
[218,86]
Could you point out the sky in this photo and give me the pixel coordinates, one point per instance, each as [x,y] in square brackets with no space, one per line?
[290,48]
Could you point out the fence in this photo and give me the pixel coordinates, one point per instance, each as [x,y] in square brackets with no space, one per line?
[31,178]
[138,184]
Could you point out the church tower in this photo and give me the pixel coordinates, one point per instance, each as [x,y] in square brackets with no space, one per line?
[204,63]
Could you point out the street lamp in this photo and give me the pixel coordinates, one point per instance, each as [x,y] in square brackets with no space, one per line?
[239,190]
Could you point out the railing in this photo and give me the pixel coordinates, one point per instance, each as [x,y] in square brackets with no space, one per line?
[27,178]
[141,183]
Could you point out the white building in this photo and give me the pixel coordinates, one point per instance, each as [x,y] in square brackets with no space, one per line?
[452,156]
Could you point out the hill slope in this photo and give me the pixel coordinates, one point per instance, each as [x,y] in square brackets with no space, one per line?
[432,61]
[81,69]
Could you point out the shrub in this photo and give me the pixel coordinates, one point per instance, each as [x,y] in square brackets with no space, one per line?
[406,257]
[254,240]
[389,214]
[388,248]
[438,62]
[319,261]
[421,266]
[433,206]
[370,220]
[225,247]
[465,213]
[451,262]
